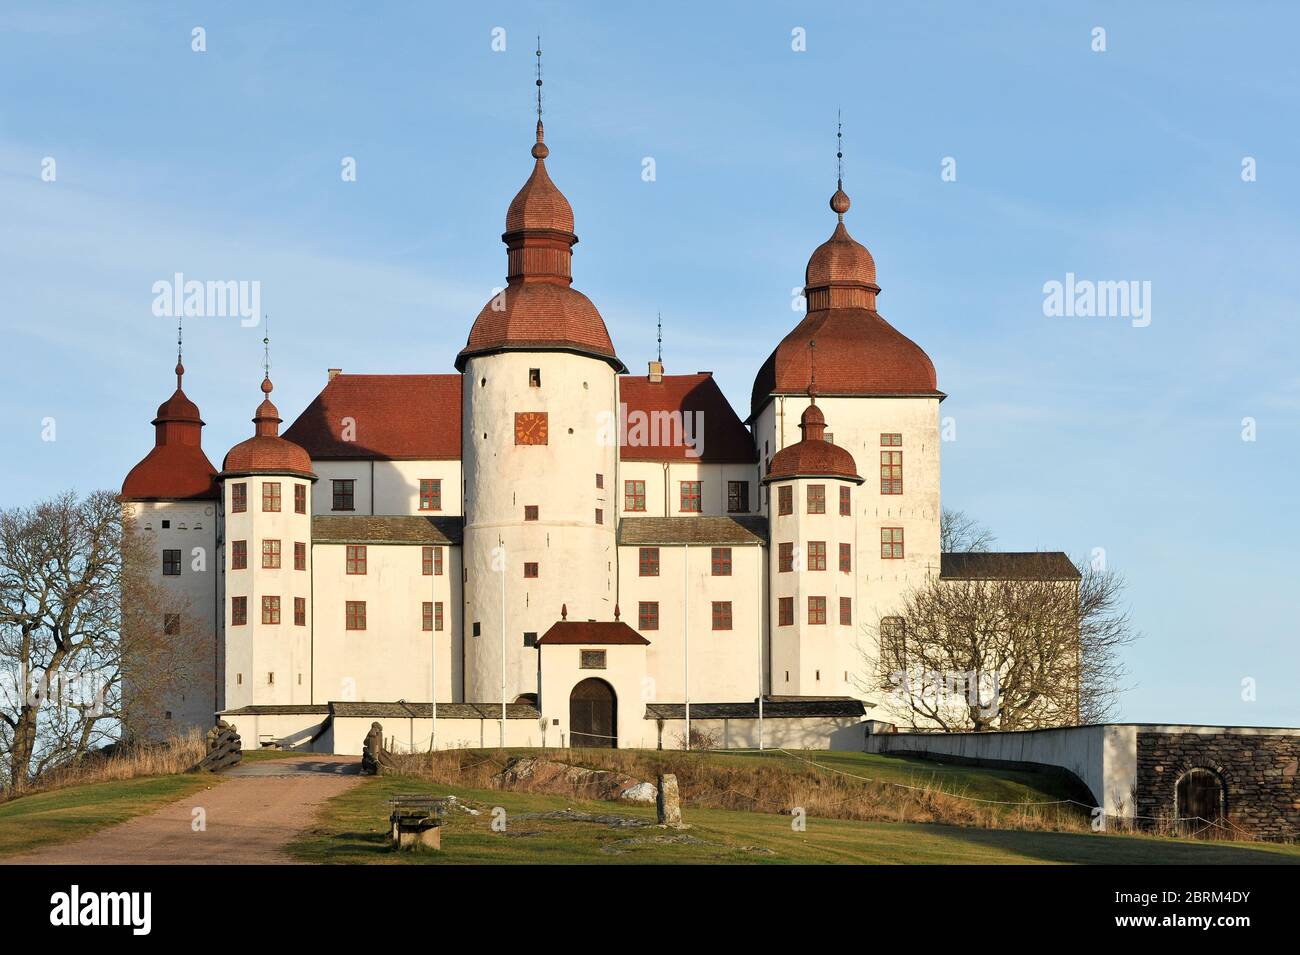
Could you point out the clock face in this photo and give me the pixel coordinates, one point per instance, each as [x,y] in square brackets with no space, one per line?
[530,427]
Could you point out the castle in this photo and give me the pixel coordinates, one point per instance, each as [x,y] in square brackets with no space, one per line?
[555,550]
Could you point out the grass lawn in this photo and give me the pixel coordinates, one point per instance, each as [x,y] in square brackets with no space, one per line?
[352,828]
[62,815]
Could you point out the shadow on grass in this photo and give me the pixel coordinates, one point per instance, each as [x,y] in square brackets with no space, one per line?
[1096,849]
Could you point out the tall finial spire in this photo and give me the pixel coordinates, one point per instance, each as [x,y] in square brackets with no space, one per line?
[180,366]
[540,151]
[812,370]
[840,201]
[660,338]
[266,348]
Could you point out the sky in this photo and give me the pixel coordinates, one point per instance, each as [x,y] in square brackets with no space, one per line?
[989,150]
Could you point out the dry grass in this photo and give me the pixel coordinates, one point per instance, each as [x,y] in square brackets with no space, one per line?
[174,755]
[714,782]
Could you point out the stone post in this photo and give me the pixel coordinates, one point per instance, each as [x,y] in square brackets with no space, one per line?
[669,803]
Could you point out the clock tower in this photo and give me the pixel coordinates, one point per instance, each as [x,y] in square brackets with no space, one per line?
[539,452]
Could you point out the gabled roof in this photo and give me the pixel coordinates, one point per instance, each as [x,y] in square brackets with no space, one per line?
[1007,565]
[388,417]
[404,529]
[593,633]
[724,439]
[719,531]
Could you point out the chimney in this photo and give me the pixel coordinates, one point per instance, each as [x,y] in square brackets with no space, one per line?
[334,373]
[656,372]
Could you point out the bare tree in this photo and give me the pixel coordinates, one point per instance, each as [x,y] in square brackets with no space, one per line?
[1033,645]
[961,533]
[78,607]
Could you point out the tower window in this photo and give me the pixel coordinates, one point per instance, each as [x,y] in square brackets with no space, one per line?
[271,496]
[784,558]
[846,501]
[737,497]
[722,615]
[238,555]
[166,525]
[238,611]
[846,558]
[530,638]
[816,498]
[891,472]
[647,615]
[530,512]
[431,562]
[891,543]
[299,555]
[721,562]
[600,515]
[171,563]
[426,616]
[270,554]
[300,611]
[530,569]
[300,499]
[634,495]
[437,615]
[344,494]
[478,628]
[534,378]
[356,559]
[648,562]
[270,610]
[692,497]
[816,555]
[354,615]
[785,612]
[785,499]
[816,610]
[891,440]
[238,498]
[430,494]
[846,611]
[600,481]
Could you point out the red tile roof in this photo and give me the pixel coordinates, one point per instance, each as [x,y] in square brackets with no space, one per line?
[176,469]
[813,456]
[397,418]
[539,315]
[266,452]
[725,439]
[592,632]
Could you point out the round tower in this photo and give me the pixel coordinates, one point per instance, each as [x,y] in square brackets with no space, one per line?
[266,490]
[540,450]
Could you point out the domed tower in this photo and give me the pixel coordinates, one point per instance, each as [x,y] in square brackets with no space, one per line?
[266,488]
[878,388]
[813,539]
[540,449]
[171,497]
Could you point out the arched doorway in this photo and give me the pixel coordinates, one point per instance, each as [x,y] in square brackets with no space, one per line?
[593,715]
[1200,798]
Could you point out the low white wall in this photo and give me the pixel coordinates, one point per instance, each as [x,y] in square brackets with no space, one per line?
[1104,757]
[347,735]
[831,732]
[289,731]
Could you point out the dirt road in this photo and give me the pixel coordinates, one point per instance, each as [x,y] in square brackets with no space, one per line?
[250,814]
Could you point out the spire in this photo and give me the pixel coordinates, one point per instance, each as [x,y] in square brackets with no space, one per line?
[267,419]
[180,366]
[812,370]
[841,272]
[840,200]
[660,338]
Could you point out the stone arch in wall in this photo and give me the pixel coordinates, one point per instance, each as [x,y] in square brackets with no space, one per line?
[1201,799]
[593,714]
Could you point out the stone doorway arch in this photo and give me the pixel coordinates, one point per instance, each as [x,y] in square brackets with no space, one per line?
[593,714]
[1200,801]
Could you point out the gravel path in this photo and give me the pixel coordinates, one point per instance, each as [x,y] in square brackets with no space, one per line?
[252,812]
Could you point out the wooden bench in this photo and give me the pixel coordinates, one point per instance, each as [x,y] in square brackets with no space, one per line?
[416,821]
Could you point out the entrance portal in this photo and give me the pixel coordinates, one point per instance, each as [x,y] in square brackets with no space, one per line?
[593,717]
[1200,800]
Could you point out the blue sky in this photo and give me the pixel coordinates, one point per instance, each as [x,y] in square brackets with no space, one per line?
[1072,433]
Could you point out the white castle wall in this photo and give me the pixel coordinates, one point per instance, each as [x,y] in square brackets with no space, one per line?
[387,487]
[663,486]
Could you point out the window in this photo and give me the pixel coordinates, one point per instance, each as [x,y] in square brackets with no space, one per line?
[691,497]
[785,499]
[892,628]
[816,498]
[238,498]
[816,609]
[530,638]
[891,543]
[530,512]
[238,611]
[785,612]
[478,628]
[530,569]
[534,378]
[846,611]
[426,616]
[600,516]
[591,660]
[634,495]
[356,559]
[171,624]
[430,494]
[270,554]
[344,491]
[300,611]
[271,496]
[238,555]
[647,615]
[648,561]
[300,498]
[431,561]
[891,440]
[299,555]
[355,615]
[846,501]
[600,482]
[172,563]
[722,615]
[722,562]
[270,610]
[784,558]
[891,472]
[816,555]
[437,615]
[846,558]
[737,497]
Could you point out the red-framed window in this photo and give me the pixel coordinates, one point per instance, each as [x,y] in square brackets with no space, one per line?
[816,610]
[239,555]
[238,611]
[600,515]
[722,615]
[530,569]
[846,501]
[300,611]
[430,494]
[437,615]
[816,498]
[891,472]
[721,562]
[785,499]
[238,498]
[300,498]
[271,496]
[891,543]
[270,610]
[299,555]
[431,561]
[426,616]
[891,440]
[354,615]
[648,562]
[356,559]
[692,497]
[530,512]
[785,612]
[600,481]
[784,558]
[634,495]
[846,611]
[270,554]
[647,615]
[846,558]
[816,555]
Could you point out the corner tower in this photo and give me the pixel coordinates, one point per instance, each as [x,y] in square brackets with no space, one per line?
[540,449]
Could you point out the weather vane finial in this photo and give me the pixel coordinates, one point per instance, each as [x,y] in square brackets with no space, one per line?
[266,346]
[539,80]
[660,338]
[812,370]
[839,149]
[180,367]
